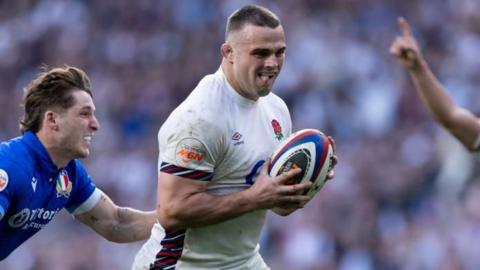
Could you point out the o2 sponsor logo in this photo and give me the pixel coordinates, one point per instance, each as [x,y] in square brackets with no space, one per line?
[27,218]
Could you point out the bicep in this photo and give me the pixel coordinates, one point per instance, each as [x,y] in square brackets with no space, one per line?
[174,190]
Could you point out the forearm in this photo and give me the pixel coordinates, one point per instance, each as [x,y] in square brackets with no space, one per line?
[184,203]
[118,224]
[201,209]
[131,225]
[432,93]
[460,122]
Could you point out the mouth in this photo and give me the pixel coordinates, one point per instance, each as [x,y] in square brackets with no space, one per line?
[88,139]
[267,77]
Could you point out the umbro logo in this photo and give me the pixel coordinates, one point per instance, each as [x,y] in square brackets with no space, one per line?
[236,138]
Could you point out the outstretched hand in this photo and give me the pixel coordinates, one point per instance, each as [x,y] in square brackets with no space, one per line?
[405,48]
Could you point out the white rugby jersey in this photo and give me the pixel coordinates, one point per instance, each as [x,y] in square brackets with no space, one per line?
[222,138]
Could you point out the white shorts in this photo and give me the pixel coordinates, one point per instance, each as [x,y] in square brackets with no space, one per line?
[254,263]
[146,255]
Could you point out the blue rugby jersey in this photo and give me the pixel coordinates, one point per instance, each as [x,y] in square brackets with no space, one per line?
[33,190]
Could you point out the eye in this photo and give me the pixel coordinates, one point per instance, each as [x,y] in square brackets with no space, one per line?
[280,53]
[261,53]
[85,113]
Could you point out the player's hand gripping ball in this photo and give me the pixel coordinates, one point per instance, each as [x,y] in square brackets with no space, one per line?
[308,149]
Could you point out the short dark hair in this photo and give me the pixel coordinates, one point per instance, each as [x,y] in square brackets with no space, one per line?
[251,14]
[51,89]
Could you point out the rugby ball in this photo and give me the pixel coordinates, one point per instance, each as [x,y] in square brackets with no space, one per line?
[308,149]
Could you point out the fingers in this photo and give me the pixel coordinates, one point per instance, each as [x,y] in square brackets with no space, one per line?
[403,49]
[287,176]
[332,142]
[330,175]
[331,170]
[395,48]
[296,201]
[404,27]
[294,189]
[401,45]
[334,161]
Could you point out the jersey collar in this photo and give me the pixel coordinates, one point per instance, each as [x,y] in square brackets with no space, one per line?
[39,151]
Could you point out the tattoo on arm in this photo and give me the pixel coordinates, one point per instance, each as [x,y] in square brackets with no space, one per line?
[93,219]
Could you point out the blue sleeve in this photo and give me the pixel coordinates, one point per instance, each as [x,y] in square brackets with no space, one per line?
[83,188]
[6,189]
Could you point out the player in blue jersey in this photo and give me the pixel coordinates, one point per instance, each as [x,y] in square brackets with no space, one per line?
[39,171]
[461,123]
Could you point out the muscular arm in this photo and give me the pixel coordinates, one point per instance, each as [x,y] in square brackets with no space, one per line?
[118,224]
[184,203]
[460,122]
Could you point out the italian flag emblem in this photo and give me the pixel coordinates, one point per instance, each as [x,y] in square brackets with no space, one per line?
[64,185]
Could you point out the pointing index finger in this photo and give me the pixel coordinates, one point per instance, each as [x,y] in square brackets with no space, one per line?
[404,27]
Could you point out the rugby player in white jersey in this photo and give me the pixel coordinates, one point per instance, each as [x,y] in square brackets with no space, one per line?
[213,186]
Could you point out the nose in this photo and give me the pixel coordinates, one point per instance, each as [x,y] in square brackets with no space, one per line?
[94,124]
[272,61]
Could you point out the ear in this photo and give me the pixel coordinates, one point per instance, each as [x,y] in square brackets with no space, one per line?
[227,52]
[50,120]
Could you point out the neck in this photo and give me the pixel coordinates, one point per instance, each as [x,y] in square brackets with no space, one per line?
[48,141]
[227,70]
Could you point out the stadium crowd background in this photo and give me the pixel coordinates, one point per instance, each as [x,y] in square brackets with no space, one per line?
[406,194]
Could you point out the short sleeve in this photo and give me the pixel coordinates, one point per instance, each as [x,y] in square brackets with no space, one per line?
[84,194]
[187,144]
[6,191]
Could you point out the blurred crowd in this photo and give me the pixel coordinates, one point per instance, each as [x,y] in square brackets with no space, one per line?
[406,195]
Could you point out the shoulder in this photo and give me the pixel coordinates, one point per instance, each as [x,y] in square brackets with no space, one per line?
[274,100]
[15,150]
[277,104]
[207,98]
[202,109]
[77,169]
[15,158]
